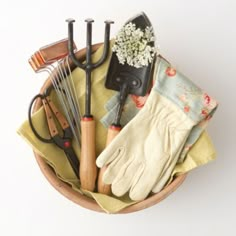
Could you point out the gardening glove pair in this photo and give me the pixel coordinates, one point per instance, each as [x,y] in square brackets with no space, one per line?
[142,157]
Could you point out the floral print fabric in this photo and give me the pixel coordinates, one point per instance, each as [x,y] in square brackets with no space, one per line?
[192,100]
[175,86]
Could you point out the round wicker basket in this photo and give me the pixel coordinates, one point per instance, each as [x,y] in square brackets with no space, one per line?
[83,200]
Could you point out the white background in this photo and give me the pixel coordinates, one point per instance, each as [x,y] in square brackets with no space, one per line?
[198,37]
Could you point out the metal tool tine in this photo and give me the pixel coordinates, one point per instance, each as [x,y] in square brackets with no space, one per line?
[53,59]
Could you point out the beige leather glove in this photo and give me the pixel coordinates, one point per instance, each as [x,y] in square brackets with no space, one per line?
[138,156]
[150,144]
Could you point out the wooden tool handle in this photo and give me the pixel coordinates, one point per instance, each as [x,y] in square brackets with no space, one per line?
[61,119]
[88,169]
[112,132]
[102,187]
[49,116]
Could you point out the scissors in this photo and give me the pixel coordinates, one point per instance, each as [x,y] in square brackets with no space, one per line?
[53,117]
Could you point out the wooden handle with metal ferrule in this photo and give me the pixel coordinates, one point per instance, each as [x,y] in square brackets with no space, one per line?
[102,187]
[88,168]
[112,132]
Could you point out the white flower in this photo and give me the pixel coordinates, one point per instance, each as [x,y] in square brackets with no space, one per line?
[134,46]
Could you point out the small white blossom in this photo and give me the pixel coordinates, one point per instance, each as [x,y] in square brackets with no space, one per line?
[133,46]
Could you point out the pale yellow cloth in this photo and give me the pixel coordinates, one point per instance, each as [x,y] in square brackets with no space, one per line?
[201,153]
